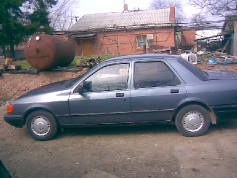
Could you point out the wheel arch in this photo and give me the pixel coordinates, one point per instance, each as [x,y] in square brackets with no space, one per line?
[210,111]
[31,110]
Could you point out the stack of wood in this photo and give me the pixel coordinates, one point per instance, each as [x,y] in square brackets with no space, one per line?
[1,64]
[89,63]
[8,65]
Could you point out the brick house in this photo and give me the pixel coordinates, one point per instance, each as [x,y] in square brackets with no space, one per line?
[127,32]
[188,38]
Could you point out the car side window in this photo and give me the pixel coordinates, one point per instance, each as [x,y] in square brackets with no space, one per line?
[153,74]
[109,78]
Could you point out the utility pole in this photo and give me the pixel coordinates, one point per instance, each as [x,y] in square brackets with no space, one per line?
[235,40]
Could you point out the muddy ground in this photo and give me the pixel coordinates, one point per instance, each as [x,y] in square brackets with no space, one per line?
[144,151]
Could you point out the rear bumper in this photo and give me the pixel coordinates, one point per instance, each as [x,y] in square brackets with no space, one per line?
[226,112]
[14,120]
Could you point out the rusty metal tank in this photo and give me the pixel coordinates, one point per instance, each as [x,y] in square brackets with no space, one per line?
[45,52]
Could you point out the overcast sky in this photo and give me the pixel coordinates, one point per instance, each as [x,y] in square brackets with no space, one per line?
[103,6]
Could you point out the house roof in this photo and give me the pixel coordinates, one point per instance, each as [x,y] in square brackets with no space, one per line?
[121,20]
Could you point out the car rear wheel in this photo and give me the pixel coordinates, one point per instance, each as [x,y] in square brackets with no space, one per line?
[193,120]
[41,125]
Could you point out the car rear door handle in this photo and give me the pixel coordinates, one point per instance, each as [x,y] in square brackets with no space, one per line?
[174,91]
[119,94]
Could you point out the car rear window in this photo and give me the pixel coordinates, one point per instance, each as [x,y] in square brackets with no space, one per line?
[195,70]
[153,74]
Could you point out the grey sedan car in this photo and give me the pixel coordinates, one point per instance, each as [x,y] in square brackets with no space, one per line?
[136,89]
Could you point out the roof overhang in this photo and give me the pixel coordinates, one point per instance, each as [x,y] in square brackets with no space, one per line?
[80,36]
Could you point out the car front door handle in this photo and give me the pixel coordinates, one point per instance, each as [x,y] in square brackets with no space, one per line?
[119,94]
[174,91]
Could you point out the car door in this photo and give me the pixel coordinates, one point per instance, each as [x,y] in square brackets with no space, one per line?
[106,98]
[156,92]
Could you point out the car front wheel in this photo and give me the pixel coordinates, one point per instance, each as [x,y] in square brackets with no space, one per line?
[41,125]
[193,120]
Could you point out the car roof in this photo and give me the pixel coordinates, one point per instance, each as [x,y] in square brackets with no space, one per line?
[141,56]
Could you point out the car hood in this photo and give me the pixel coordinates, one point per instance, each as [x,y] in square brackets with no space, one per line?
[53,87]
[221,75]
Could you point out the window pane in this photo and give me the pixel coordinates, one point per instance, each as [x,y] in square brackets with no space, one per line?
[144,39]
[139,41]
[113,77]
[153,74]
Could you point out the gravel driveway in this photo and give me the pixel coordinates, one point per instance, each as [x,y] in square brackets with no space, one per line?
[142,151]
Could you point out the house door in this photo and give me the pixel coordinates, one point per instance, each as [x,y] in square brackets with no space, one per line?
[87,47]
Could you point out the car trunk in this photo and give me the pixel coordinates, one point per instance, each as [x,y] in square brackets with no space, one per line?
[221,75]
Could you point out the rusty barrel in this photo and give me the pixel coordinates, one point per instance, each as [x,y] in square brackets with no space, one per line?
[45,52]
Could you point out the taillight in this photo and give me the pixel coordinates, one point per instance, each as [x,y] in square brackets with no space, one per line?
[10,108]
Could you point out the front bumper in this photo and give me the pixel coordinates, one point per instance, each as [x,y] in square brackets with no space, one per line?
[14,120]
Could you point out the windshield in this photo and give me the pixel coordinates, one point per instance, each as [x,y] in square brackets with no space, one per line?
[72,81]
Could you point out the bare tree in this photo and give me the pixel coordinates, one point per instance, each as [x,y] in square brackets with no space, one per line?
[63,14]
[199,21]
[162,4]
[217,7]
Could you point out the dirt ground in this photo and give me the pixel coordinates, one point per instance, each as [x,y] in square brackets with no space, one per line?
[144,151]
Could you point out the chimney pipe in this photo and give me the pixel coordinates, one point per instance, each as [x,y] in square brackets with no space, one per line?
[125,7]
[172,14]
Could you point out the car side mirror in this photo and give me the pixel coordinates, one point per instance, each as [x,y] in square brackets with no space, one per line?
[84,87]
[80,89]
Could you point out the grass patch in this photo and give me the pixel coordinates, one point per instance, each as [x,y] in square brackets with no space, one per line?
[24,64]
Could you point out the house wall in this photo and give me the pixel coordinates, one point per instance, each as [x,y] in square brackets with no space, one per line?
[124,42]
[188,37]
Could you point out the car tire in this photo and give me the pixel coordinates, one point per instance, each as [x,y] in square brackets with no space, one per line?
[41,125]
[192,121]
